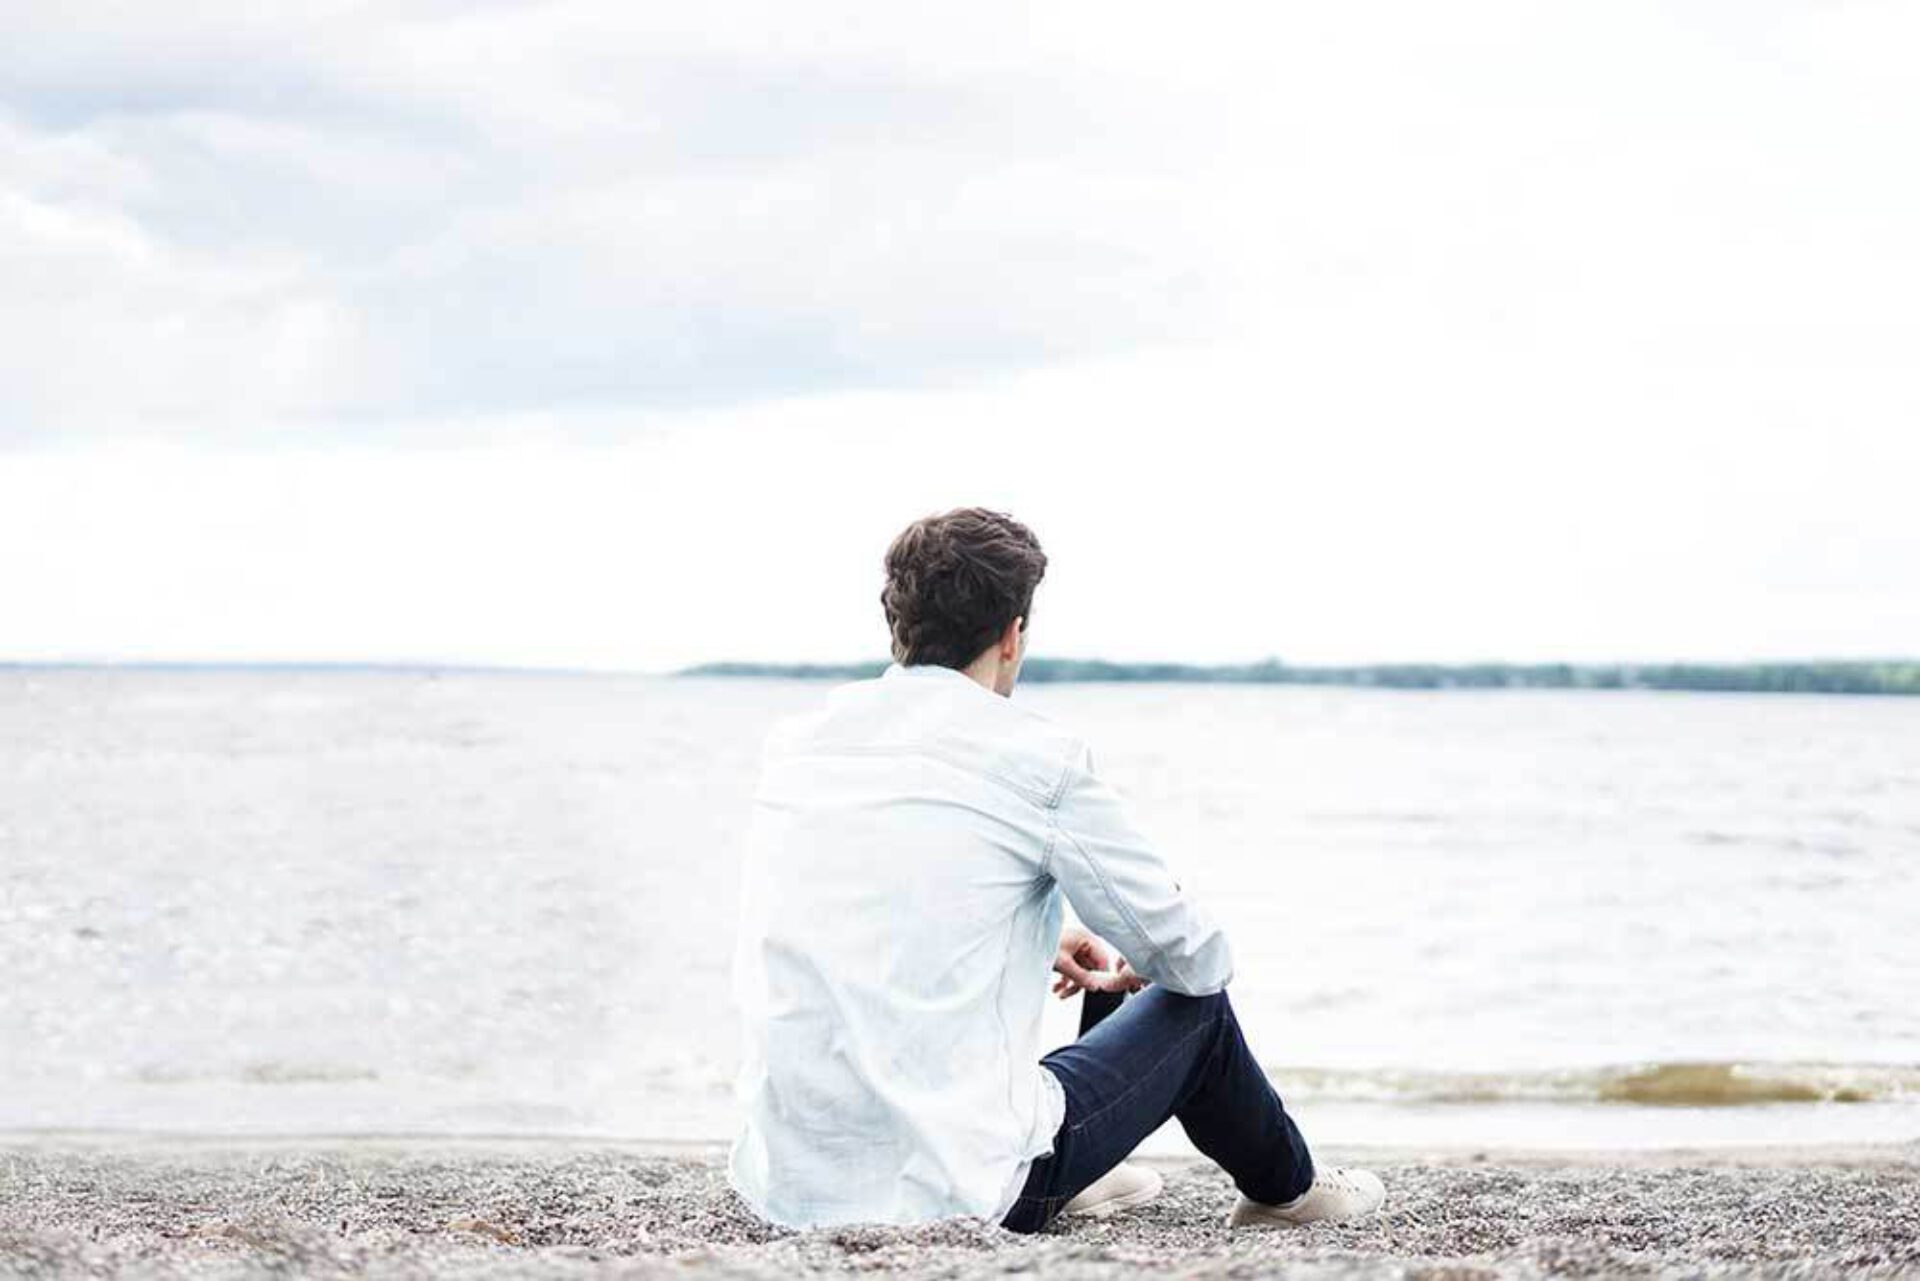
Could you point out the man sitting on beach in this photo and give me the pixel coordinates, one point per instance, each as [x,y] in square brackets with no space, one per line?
[901,910]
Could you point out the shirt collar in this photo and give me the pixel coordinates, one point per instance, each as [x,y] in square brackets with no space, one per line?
[930,672]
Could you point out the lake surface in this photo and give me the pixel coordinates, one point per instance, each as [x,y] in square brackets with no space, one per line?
[367,901]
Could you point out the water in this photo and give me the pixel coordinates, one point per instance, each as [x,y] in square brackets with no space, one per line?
[339,902]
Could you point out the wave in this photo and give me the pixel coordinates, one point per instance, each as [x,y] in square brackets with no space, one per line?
[261,1072]
[1697,1084]
[1668,1084]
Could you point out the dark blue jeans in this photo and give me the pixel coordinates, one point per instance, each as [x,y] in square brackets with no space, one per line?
[1163,1055]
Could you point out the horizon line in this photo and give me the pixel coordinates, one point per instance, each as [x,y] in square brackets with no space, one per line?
[708,666]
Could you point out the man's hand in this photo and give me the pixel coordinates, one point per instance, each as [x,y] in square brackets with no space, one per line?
[1086,963]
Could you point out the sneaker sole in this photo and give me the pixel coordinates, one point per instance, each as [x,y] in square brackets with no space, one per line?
[1242,1218]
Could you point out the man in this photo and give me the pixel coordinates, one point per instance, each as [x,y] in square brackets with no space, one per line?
[900,912]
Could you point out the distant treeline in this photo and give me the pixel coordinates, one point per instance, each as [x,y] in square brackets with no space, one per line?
[1764,678]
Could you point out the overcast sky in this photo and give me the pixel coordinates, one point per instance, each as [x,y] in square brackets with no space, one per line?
[620,335]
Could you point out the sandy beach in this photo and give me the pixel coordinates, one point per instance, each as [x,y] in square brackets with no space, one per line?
[215,1208]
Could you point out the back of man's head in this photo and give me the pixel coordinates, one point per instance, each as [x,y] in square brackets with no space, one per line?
[954,583]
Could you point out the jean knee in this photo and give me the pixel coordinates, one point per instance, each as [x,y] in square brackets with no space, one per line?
[1213,1004]
[1207,1007]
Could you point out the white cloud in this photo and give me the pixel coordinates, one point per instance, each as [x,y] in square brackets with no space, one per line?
[601,333]
[569,205]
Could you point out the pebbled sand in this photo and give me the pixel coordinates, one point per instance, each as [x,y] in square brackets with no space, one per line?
[440,1208]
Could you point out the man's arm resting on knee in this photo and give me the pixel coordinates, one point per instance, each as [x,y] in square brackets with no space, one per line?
[1122,889]
[1085,962]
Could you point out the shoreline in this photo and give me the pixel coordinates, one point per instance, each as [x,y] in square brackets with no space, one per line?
[110,1204]
[1898,1151]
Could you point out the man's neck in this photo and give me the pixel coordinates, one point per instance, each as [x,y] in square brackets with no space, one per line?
[985,671]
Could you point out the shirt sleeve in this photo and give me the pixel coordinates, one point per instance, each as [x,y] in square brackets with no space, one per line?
[1122,889]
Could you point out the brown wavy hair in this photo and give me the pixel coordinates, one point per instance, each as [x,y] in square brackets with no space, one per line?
[954,582]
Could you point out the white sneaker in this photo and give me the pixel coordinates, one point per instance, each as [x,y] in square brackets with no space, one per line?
[1122,1188]
[1336,1195]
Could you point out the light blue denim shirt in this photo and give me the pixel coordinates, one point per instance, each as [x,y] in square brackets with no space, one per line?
[900,908]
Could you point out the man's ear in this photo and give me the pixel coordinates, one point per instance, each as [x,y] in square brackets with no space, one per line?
[1010,640]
